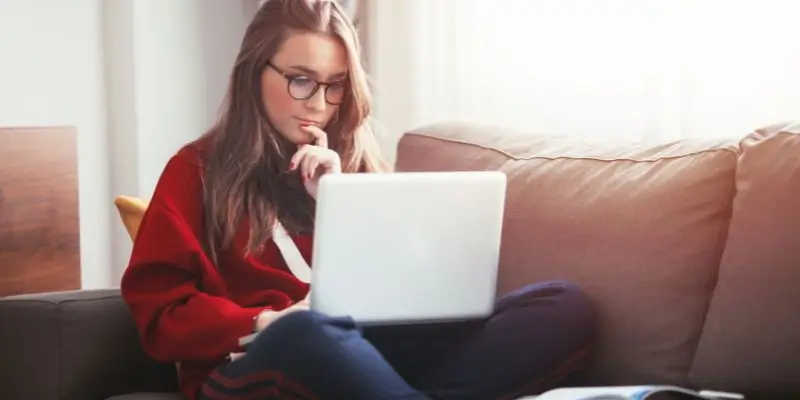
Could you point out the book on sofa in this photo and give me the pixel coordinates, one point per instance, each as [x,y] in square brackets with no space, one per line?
[655,392]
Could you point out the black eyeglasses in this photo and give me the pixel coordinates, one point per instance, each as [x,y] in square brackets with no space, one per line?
[302,87]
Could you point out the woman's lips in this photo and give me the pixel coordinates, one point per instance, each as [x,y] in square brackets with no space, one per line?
[304,121]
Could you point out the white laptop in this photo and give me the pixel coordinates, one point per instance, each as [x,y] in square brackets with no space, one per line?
[407,247]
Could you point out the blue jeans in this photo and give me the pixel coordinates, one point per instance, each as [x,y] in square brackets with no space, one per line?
[536,336]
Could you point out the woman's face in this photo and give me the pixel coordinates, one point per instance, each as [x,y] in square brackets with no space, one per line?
[305,59]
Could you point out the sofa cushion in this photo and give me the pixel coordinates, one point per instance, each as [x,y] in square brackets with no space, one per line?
[751,339]
[640,226]
[74,345]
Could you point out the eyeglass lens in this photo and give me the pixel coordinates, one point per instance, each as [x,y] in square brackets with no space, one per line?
[302,88]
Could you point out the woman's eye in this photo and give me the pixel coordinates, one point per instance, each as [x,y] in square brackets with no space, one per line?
[302,80]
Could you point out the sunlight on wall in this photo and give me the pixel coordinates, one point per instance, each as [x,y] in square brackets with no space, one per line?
[612,69]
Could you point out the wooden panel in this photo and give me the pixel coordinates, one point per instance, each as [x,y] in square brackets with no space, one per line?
[39,231]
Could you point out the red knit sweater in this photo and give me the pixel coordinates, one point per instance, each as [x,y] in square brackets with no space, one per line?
[187,310]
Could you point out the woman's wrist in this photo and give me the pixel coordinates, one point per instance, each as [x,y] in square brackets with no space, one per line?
[263,319]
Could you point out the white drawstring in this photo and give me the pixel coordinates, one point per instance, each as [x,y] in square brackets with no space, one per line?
[291,254]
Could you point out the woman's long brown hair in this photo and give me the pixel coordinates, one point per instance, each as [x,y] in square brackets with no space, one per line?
[244,179]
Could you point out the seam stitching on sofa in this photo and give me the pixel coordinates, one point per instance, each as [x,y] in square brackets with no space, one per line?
[733,151]
[723,234]
[66,301]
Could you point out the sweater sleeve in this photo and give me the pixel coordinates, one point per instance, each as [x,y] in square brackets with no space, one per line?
[176,320]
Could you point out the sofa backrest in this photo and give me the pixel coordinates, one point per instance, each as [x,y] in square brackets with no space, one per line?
[751,339]
[640,226]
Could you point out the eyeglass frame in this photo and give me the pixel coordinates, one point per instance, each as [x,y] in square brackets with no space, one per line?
[317,84]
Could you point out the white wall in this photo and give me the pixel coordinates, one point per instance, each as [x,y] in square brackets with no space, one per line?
[51,74]
[137,78]
[540,67]
[167,71]
[389,41]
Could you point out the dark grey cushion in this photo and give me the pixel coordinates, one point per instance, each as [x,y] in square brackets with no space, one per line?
[77,345]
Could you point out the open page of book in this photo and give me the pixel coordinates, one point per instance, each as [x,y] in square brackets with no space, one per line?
[621,392]
[618,393]
[646,392]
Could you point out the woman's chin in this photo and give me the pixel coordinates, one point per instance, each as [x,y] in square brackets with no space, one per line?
[302,138]
[298,138]
[296,135]
[303,141]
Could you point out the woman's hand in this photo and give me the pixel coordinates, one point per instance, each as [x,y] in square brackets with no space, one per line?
[315,160]
[268,316]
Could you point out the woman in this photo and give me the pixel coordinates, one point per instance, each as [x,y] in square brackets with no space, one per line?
[205,271]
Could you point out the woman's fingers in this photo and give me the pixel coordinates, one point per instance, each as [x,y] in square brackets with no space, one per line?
[320,137]
[310,165]
[298,157]
[310,158]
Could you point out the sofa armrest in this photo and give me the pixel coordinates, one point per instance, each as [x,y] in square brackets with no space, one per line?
[74,345]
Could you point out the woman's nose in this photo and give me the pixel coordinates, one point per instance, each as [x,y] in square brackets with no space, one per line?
[317,101]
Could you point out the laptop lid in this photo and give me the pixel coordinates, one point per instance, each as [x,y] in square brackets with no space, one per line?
[407,247]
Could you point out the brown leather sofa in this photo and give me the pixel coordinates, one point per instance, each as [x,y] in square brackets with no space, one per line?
[687,247]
